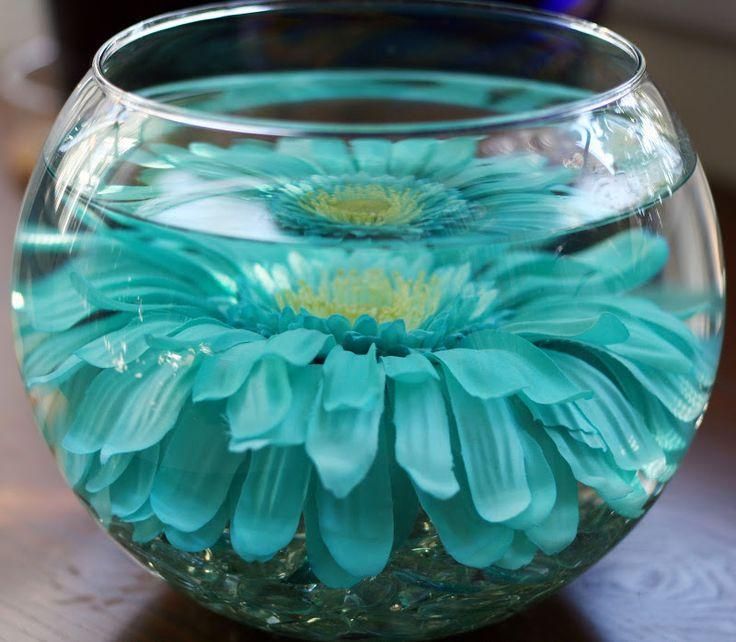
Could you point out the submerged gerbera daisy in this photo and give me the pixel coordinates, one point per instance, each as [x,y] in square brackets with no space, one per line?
[195,393]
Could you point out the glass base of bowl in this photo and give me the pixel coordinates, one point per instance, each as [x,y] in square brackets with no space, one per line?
[422,594]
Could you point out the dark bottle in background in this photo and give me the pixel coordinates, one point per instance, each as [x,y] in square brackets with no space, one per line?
[82,26]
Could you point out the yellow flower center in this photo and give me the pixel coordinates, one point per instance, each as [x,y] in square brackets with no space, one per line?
[363,204]
[372,292]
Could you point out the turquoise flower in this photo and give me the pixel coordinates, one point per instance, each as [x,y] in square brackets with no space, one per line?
[196,394]
[327,187]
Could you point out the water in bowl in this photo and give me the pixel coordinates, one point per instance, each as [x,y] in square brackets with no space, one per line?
[367,384]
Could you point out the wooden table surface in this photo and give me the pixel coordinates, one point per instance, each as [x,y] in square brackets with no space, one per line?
[61,578]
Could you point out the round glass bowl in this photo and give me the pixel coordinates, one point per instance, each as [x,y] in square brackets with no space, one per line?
[359,319]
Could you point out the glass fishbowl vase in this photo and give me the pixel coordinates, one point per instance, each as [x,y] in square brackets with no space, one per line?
[368,319]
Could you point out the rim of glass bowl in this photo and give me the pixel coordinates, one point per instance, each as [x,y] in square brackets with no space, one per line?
[271,127]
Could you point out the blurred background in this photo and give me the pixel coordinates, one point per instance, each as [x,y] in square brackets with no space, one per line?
[45,48]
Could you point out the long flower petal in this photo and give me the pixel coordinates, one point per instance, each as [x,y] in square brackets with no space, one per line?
[603,328]
[352,380]
[542,485]
[423,437]
[105,474]
[203,538]
[484,374]
[622,427]
[54,350]
[466,536]
[492,453]
[620,489]
[133,488]
[298,347]
[221,375]
[120,347]
[405,502]
[263,402]
[292,430]
[271,501]
[560,528]
[343,444]
[413,368]
[358,529]
[545,382]
[130,410]
[196,471]
[324,566]
[520,553]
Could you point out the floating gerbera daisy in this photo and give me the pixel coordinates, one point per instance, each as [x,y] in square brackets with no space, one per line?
[196,393]
[327,187]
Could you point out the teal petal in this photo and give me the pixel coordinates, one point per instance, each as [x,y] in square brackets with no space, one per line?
[126,294]
[133,488]
[625,261]
[371,155]
[131,410]
[520,553]
[603,329]
[620,489]
[569,416]
[221,375]
[645,346]
[120,347]
[542,485]
[106,474]
[324,566]
[334,156]
[352,380]
[672,435]
[630,505]
[546,383]
[683,396]
[230,338]
[205,537]
[466,536]
[299,347]
[55,410]
[263,402]
[292,430]
[366,325]
[413,368]
[492,453]
[68,368]
[622,428]
[147,530]
[63,306]
[358,529]
[267,513]
[43,360]
[450,156]
[405,502]
[423,437]
[195,472]
[560,528]
[485,374]
[343,444]
[665,324]
[100,503]
[74,467]
[409,156]
[143,513]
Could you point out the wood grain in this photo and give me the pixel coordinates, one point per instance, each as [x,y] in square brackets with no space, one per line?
[62,579]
